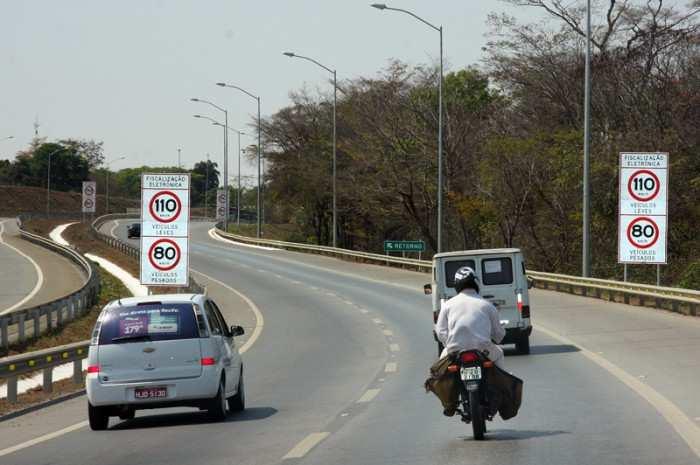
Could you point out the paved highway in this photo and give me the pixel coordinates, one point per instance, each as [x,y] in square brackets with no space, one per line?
[336,378]
[32,275]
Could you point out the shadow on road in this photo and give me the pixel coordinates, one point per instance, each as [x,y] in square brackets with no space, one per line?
[546,349]
[191,418]
[516,435]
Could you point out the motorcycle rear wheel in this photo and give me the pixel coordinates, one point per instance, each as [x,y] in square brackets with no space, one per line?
[477,414]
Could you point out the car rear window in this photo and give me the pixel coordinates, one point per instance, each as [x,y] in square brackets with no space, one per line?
[452,267]
[153,322]
[496,271]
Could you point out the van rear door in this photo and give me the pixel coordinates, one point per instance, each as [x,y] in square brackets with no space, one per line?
[498,283]
[149,342]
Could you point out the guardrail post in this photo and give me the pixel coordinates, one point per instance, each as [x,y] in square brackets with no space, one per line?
[3,334]
[78,371]
[48,379]
[37,323]
[59,314]
[12,389]
[20,328]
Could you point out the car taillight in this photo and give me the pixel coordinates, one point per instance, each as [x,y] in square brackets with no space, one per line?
[467,357]
[208,361]
[525,313]
[93,369]
[520,302]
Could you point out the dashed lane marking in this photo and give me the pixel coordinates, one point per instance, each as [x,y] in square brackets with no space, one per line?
[306,444]
[388,332]
[391,367]
[394,347]
[368,396]
[377,321]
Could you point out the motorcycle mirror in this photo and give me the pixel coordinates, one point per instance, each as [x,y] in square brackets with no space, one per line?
[427,289]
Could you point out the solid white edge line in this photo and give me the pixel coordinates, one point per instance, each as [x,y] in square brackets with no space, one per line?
[368,396]
[260,320]
[39,274]
[44,438]
[305,445]
[684,426]
[216,237]
[56,233]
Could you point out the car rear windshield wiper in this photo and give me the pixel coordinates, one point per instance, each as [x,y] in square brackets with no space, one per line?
[135,337]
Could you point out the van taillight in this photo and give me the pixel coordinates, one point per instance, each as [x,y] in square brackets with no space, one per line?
[208,361]
[520,302]
[525,312]
[93,369]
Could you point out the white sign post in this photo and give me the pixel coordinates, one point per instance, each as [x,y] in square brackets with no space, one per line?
[221,203]
[165,226]
[643,208]
[89,196]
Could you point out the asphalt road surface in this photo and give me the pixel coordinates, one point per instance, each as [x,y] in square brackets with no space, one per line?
[336,378]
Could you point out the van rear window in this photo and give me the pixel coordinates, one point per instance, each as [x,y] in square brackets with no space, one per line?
[152,322]
[495,271]
[452,267]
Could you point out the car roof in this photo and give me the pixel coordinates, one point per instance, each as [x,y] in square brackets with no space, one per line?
[163,298]
[462,253]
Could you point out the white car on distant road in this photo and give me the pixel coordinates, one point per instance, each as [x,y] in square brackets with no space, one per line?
[163,351]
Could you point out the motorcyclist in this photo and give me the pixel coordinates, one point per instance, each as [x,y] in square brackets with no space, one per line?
[469,322]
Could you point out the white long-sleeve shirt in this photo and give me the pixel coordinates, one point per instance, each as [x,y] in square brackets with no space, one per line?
[468,322]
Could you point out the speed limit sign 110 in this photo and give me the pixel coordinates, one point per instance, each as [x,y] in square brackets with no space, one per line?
[643,207]
[165,217]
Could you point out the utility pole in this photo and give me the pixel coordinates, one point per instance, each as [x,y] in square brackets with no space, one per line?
[586,259]
[179,165]
[206,190]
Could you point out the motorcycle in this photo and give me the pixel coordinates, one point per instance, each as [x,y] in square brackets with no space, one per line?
[474,393]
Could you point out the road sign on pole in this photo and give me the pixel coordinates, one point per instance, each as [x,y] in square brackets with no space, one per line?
[643,208]
[89,196]
[165,220]
[404,246]
[221,203]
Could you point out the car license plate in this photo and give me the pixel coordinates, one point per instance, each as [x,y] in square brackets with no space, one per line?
[471,373]
[151,393]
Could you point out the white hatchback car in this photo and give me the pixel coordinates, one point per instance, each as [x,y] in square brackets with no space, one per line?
[163,351]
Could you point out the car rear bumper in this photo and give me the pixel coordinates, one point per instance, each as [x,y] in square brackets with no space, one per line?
[514,334]
[179,391]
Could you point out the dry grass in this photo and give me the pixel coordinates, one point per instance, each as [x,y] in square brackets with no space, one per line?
[37,395]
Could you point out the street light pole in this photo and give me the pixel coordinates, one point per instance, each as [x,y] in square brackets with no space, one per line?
[586,259]
[107,182]
[225,112]
[48,182]
[440,187]
[335,145]
[206,189]
[179,165]
[223,84]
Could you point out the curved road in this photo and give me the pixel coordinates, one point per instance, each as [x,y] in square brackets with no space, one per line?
[340,366]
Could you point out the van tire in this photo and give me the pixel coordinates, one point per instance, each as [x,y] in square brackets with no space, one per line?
[128,414]
[237,402]
[217,407]
[523,345]
[98,418]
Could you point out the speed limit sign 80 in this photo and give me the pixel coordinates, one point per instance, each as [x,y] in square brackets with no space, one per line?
[166,261]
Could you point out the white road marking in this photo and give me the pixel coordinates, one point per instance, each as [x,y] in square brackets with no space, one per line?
[330,294]
[391,367]
[56,233]
[132,284]
[364,310]
[216,237]
[689,431]
[112,231]
[388,332]
[306,444]
[39,274]
[44,438]
[368,396]
[394,347]
[377,321]
[349,302]
[259,319]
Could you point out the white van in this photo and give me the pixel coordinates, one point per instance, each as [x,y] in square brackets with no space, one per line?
[502,281]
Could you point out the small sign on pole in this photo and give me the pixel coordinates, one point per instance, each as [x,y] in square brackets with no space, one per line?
[89,196]
[404,246]
[165,219]
[643,208]
[221,203]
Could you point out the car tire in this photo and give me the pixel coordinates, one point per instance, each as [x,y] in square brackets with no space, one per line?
[217,407]
[128,414]
[98,418]
[522,346]
[237,402]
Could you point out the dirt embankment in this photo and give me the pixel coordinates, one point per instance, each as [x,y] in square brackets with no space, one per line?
[21,199]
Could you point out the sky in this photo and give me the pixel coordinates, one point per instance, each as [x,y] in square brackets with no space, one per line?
[123,72]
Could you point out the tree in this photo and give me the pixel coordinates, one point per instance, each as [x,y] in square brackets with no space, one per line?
[88,149]
[202,172]
[68,168]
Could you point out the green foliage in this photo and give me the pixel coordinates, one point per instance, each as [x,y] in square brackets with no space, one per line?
[690,278]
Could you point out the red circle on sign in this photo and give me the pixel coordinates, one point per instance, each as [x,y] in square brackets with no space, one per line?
[175,261]
[178,207]
[653,195]
[656,232]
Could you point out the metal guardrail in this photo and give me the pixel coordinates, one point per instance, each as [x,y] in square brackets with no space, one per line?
[686,301]
[12,368]
[53,314]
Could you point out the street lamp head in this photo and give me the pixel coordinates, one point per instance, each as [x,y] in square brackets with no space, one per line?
[197,116]
[289,54]
[379,6]
[194,100]
[221,84]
